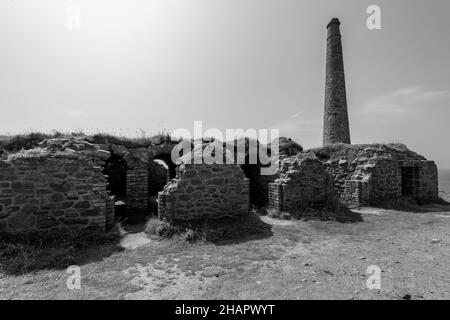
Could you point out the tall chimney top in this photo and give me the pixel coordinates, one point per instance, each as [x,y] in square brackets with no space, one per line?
[333,21]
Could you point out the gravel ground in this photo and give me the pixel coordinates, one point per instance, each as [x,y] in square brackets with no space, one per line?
[296,260]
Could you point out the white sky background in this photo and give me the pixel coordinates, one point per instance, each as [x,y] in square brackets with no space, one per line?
[231,63]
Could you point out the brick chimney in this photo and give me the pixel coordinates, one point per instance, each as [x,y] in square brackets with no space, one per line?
[335,124]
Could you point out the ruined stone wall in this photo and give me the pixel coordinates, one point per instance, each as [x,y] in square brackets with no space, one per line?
[137,190]
[145,177]
[372,174]
[379,181]
[265,181]
[303,183]
[158,176]
[205,192]
[342,171]
[51,191]
[429,182]
[425,182]
[366,181]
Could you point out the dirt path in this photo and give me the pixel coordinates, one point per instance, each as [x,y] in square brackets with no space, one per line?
[301,260]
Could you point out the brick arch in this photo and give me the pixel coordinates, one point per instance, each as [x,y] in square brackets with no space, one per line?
[167,159]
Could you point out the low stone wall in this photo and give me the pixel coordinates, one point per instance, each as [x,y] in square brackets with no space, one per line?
[303,183]
[205,192]
[44,191]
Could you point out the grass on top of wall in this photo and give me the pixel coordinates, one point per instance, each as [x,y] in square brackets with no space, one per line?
[26,141]
[350,151]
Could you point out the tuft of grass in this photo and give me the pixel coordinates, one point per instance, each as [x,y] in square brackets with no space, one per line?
[140,142]
[20,254]
[31,140]
[217,230]
[24,141]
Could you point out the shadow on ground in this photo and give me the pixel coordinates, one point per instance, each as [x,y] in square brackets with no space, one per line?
[35,252]
[227,230]
[411,205]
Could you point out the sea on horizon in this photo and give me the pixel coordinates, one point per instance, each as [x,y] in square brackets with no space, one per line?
[444,183]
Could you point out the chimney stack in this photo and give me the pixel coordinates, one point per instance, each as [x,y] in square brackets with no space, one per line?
[335,125]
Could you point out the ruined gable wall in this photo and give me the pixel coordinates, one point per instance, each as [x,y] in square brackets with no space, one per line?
[205,192]
[366,181]
[379,181]
[303,183]
[342,171]
[49,192]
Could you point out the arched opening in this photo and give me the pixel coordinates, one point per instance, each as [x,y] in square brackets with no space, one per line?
[167,158]
[116,170]
[258,193]
[249,150]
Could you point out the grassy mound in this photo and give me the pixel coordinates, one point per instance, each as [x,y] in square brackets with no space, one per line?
[31,140]
[351,152]
[249,226]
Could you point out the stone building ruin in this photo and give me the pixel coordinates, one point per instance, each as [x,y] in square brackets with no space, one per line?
[204,191]
[367,174]
[378,173]
[303,183]
[55,188]
[75,183]
[86,182]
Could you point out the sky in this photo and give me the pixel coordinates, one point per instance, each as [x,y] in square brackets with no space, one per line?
[128,67]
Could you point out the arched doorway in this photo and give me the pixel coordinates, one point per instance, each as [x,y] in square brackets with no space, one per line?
[167,158]
[116,170]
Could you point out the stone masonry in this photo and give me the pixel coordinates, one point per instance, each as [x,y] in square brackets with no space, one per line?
[373,174]
[44,190]
[373,182]
[204,191]
[303,183]
[137,189]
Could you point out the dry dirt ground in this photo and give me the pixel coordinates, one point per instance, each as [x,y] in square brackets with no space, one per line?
[295,260]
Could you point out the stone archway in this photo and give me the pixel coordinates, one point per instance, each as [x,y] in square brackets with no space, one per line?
[116,170]
[167,159]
